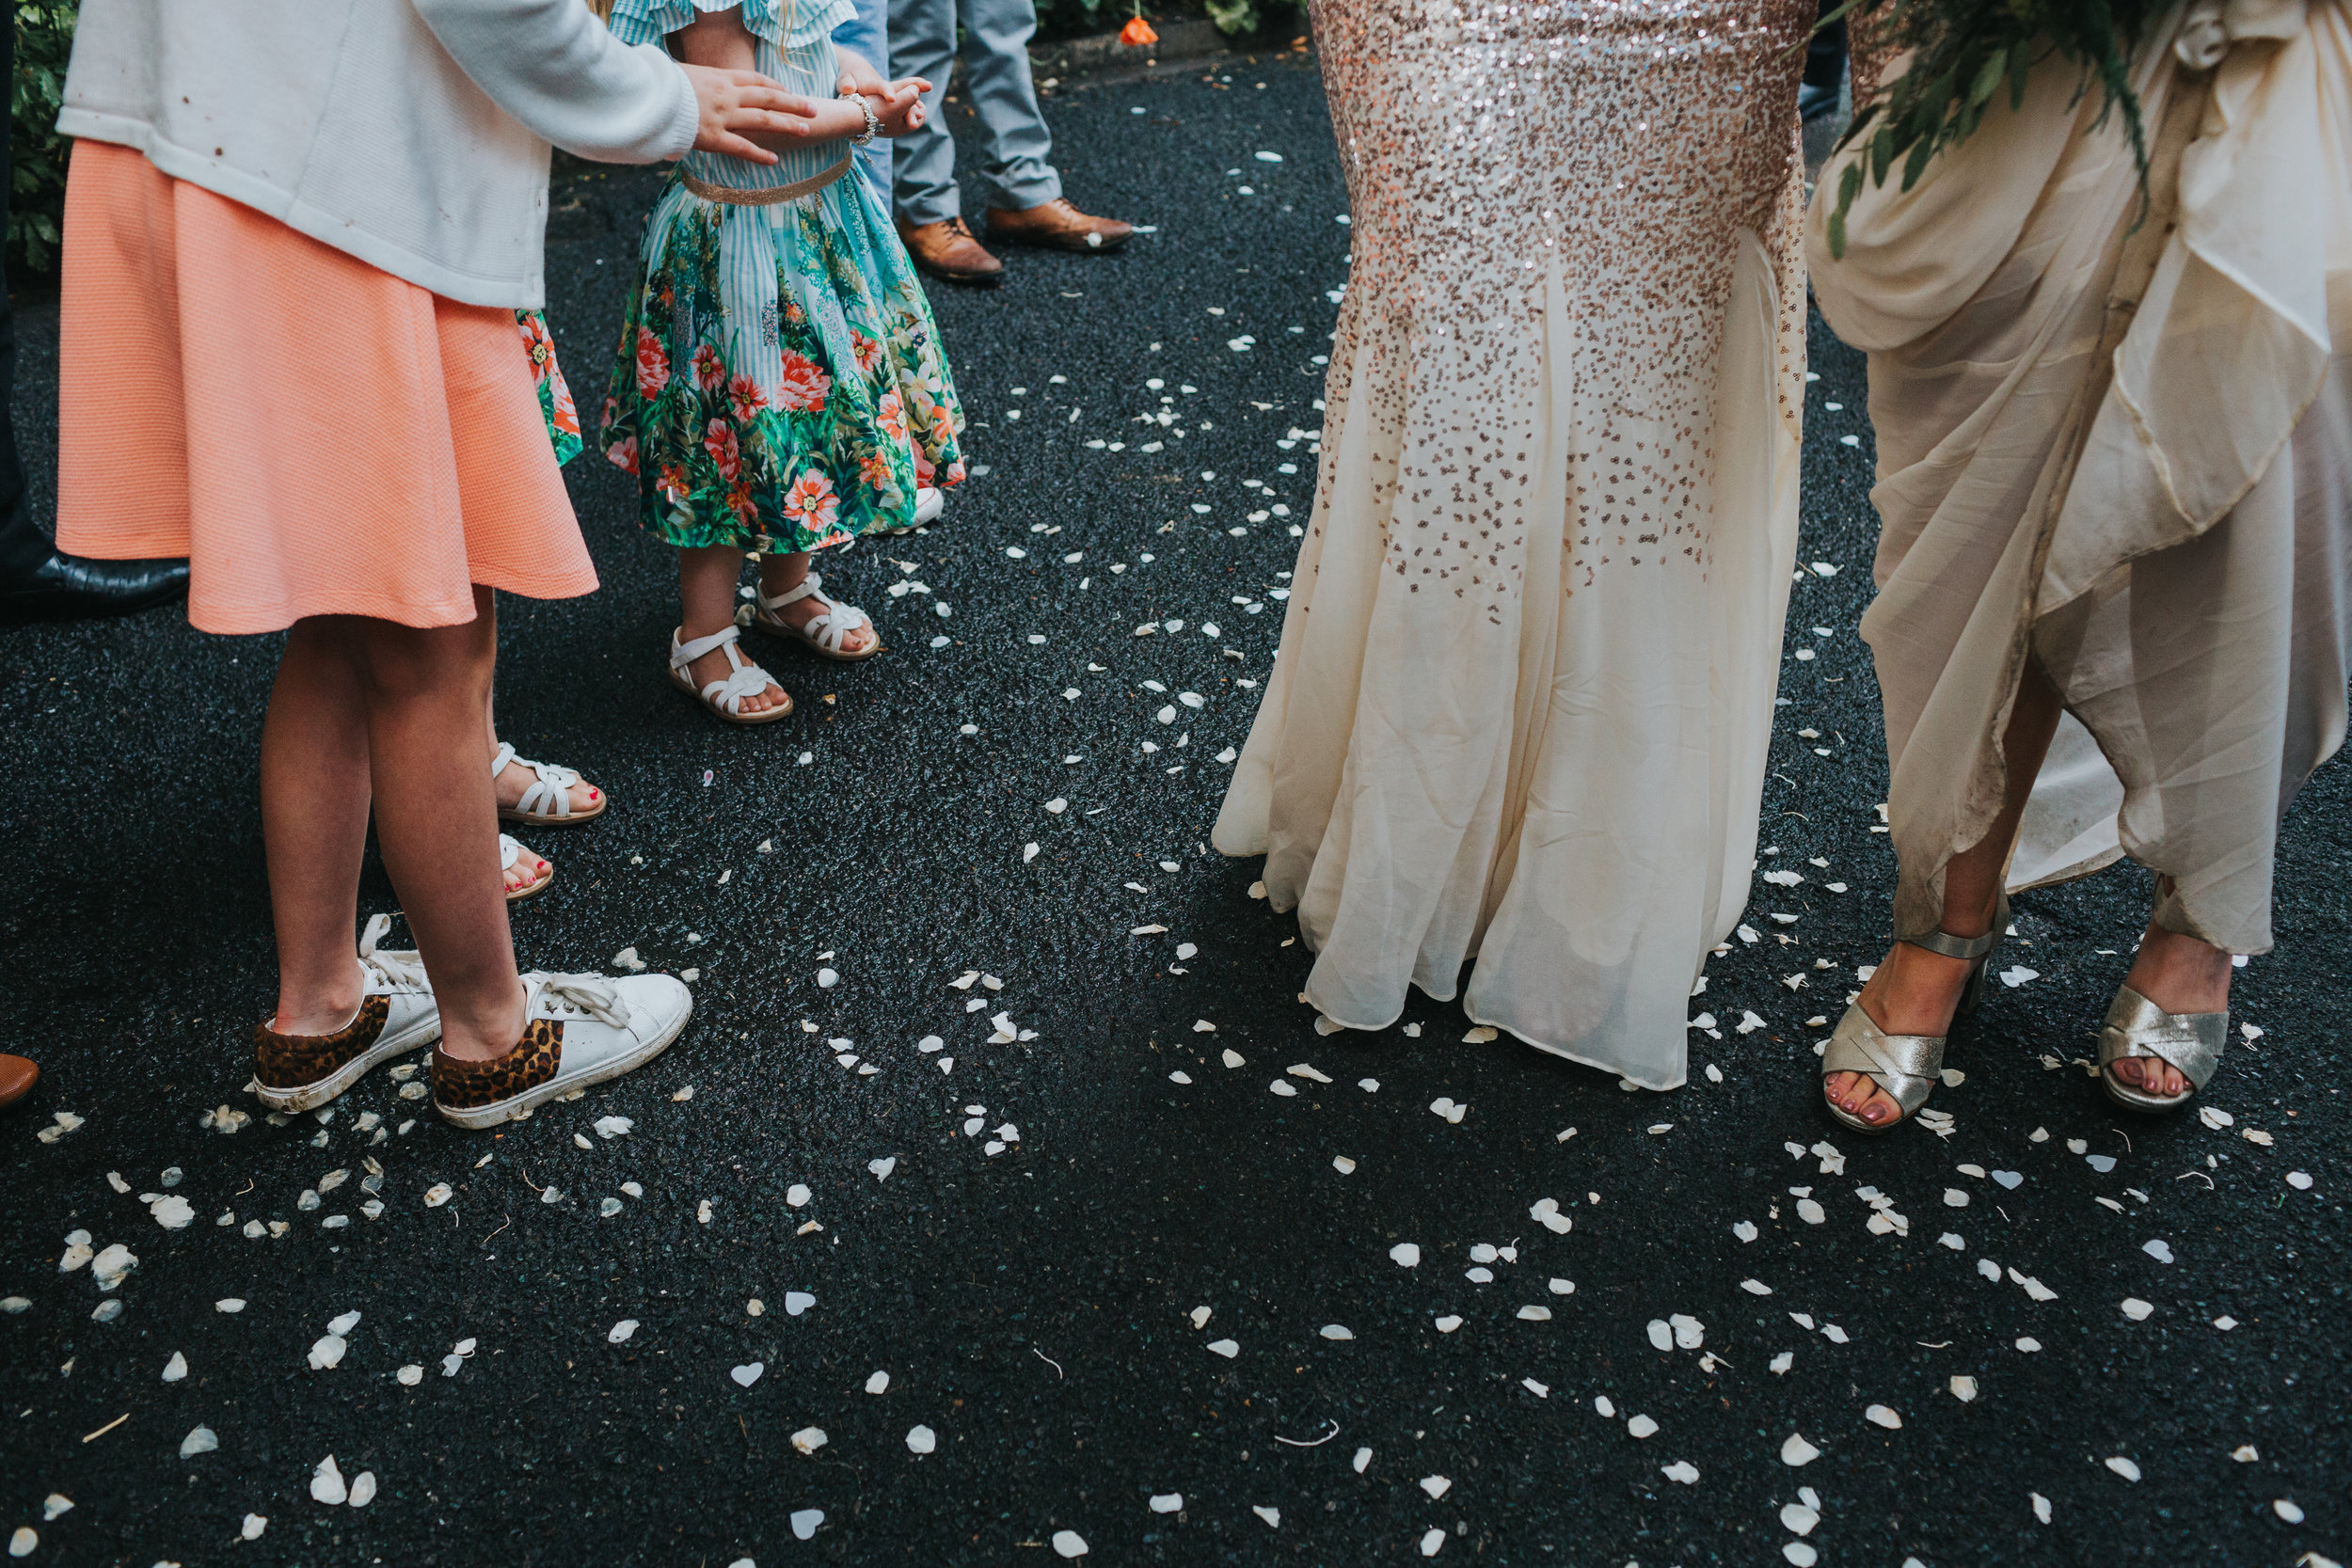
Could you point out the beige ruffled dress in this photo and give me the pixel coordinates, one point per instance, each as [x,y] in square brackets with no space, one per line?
[2119,445]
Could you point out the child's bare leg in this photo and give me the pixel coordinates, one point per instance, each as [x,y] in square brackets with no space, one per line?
[427,693]
[708,578]
[314,824]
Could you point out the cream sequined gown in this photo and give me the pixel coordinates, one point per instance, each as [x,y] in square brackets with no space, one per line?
[1526,676]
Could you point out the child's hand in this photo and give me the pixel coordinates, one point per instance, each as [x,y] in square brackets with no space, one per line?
[857,75]
[899,105]
[733,103]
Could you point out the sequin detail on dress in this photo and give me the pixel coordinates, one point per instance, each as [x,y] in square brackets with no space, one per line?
[1525,693]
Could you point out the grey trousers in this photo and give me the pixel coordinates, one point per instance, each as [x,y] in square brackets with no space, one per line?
[999,100]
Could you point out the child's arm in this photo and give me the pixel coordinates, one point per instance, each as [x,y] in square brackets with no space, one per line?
[898,105]
[720,42]
[553,66]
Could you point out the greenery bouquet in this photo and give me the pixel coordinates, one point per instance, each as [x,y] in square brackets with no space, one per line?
[1964,53]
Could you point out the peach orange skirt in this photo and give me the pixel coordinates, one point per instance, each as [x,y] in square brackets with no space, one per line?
[319,438]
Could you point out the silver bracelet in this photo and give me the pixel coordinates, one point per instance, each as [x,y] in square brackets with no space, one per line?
[873,125]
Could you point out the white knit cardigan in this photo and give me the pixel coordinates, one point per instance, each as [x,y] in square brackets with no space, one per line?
[410,134]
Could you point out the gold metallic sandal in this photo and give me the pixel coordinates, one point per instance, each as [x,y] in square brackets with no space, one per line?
[1905,1066]
[2192,1043]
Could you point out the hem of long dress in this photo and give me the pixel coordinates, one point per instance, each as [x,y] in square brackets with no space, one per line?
[1551,1050]
[1544,1046]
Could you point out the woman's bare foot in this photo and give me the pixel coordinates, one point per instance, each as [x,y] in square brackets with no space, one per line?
[2180,975]
[1912,991]
[527,872]
[515,779]
[781,574]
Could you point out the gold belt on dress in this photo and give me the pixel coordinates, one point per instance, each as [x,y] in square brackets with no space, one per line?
[767,197]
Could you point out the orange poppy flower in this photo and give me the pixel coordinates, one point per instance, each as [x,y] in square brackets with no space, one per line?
[1138,33]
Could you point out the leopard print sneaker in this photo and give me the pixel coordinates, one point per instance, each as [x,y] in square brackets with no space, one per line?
[397,1014]
[578,1029]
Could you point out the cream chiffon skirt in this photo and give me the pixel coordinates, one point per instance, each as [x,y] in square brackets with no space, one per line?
[2120,448]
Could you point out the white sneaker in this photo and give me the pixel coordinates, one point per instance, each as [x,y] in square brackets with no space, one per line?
[397,1014]
[578,1029]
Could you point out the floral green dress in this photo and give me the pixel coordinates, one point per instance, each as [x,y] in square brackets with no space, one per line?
[780,384]
[555,399]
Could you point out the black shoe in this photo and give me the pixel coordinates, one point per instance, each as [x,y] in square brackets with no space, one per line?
[70,587]
[1814,103]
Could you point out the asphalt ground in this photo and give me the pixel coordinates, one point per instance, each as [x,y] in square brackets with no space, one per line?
[1035,1307]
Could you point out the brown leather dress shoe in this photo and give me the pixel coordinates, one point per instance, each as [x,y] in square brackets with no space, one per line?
[1058,225]
[17,1078]
[947,249]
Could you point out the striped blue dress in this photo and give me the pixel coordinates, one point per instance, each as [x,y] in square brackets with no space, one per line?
[779,384]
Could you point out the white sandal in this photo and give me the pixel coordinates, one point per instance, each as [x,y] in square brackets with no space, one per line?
[546,803]
[825,633]
[725,699]
[509,852]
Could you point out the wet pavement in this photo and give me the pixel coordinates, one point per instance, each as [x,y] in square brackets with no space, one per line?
[1051,1220]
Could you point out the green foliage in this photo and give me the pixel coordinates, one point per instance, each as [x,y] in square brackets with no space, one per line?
[1234,16]
[1966,50]
[36,154]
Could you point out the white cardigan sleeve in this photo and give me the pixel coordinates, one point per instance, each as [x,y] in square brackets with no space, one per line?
[555,67]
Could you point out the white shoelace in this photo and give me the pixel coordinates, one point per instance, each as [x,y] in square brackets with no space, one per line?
[402,967]
[593,994]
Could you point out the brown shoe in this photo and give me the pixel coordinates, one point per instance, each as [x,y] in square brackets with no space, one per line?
[17,1078]
[1059,225]
[947,249]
